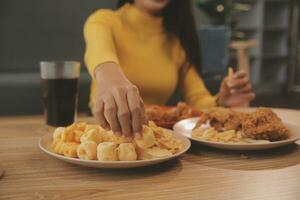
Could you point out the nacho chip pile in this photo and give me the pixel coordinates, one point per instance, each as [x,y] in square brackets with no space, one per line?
[92,142]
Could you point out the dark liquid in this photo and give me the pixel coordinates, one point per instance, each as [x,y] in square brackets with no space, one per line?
[60,100]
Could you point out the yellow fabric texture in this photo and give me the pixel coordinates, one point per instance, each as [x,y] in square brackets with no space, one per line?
[147,55]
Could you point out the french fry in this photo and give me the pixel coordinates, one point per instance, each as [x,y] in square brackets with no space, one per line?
[229,136]
[230,73]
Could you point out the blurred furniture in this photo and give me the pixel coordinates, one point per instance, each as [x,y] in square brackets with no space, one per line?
[242,49]
[214,44]
[294,72]
[243,60]
[267,23]
[201,173]
[279,101]
[35,30]
[23,93]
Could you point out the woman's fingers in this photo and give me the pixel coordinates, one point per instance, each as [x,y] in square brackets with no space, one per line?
[136,110]
[246,89]
[239,80]
[110,113]
[239,74]
[144,119]
[241,99]
[236,91]
[248,96]
[123,112]
[122,106]
[99,113]
[237,83]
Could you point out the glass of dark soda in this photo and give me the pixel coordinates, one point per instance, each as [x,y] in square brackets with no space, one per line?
[60,91]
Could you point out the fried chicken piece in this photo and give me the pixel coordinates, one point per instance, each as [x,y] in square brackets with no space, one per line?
[168,116]
[153,112]
[215,115]
[264,124]
[234,122]
[222,119]
[186,111]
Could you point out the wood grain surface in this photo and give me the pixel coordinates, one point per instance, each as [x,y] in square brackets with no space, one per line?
[202,173]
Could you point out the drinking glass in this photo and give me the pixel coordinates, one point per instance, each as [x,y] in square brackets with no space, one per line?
[60,91]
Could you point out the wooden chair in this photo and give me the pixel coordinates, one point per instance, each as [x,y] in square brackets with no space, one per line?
[243,60]
[242,48]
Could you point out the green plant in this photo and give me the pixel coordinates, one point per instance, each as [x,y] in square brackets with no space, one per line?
[219,11]
[224,12]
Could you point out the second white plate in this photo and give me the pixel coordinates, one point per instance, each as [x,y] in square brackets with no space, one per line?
[186,126]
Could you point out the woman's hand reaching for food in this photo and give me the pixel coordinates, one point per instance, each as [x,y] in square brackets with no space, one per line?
[118,104]
[235,90]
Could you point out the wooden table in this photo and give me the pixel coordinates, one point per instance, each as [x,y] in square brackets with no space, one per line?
[202,173]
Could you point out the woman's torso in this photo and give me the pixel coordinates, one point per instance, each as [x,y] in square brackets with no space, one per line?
[149,57]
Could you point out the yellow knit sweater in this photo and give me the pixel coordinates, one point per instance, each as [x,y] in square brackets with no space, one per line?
[149,58]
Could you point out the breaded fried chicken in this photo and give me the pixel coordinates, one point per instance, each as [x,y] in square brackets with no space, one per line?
[264,124]
[168,116]
[222,119]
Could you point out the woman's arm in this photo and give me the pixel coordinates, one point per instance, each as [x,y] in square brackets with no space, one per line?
[194,90]
[99,41]
[117,103]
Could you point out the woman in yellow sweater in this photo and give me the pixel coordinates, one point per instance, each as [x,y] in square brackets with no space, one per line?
[139,53]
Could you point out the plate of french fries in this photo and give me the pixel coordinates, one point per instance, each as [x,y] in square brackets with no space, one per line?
[92,146]
[259,130]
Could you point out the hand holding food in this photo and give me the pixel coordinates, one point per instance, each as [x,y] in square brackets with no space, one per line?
[118,104]
[235,90]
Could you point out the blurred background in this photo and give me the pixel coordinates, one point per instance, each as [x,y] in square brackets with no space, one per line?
[259,36]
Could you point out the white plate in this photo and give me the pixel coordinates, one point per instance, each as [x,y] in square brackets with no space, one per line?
[185,127]
[46,140]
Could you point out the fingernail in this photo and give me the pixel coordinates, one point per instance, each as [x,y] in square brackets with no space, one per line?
[118,133]
[138,135]
[128,139]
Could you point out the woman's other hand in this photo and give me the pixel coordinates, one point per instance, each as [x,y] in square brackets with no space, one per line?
[118,104]
[235,91]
